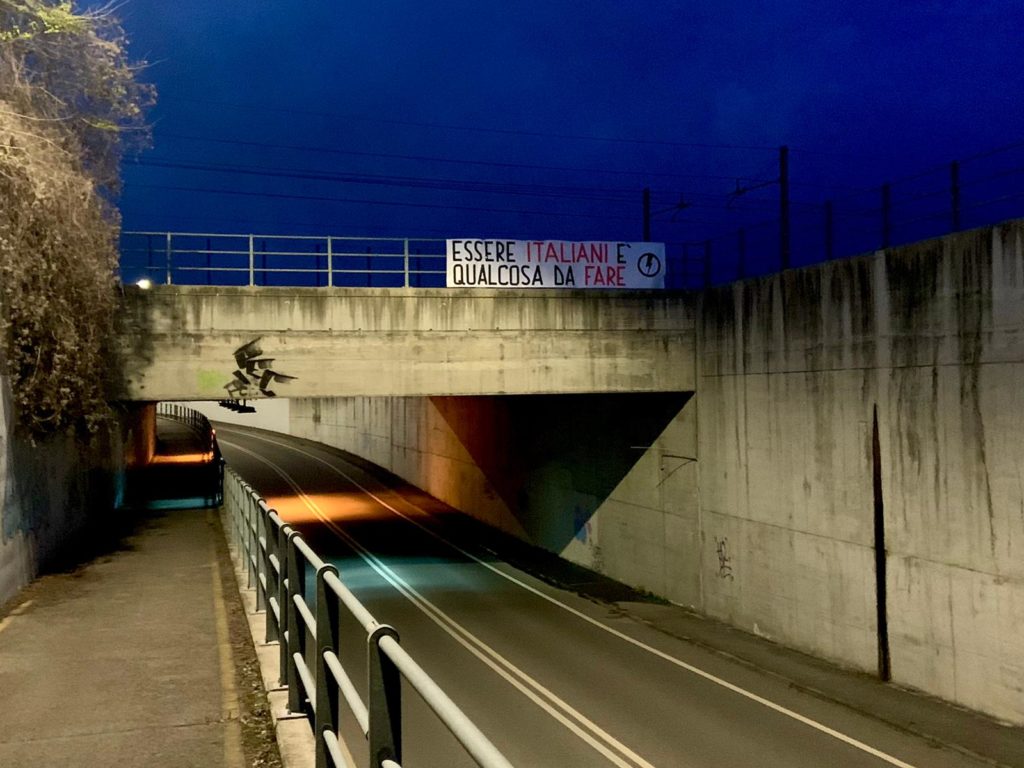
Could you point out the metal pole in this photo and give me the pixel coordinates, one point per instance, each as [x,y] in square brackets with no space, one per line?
[330,262]
[954,192]
[252,262]
[385,705]
[406,262]
[296,586]
[829,233]
[886,214]
[784,237]
[169,258]
[647,215]
[327,707]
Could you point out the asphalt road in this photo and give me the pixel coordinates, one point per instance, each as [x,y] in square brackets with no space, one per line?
[552,678]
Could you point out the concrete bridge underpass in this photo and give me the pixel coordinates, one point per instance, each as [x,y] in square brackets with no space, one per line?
[212,343]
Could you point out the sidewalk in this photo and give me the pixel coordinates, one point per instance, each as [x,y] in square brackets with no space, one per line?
[133,659]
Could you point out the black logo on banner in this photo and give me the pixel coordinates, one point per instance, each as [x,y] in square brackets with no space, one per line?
[649,264]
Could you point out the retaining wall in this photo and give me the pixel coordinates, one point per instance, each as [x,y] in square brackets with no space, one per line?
[873,397]
[50,494]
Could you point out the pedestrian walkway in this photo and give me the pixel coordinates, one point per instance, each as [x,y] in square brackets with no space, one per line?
[183,472]
[126,661]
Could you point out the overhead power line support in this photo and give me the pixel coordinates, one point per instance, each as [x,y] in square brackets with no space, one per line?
[784,236]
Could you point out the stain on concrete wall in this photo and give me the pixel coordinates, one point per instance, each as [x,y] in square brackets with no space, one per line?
[791,368]
[575,474]
[774,528]
[51,493]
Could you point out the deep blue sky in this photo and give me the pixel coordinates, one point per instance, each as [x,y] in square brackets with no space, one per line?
[440,112]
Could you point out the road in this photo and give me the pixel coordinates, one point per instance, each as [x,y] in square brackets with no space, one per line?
[552,678]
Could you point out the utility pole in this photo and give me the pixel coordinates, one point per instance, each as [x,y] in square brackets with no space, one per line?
[784,253]
[647,214]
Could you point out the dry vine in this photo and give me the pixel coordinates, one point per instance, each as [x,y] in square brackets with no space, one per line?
[68,102]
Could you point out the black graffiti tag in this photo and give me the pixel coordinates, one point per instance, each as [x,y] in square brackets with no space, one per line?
[254,374]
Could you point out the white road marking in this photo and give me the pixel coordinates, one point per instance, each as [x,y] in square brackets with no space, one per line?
[821,727]
[502,666]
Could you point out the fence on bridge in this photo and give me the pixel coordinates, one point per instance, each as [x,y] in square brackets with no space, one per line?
[194,258]
[976,191]
[305,623]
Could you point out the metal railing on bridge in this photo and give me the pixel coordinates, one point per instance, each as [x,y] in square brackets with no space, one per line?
[192,258]
[279,562]
[195,258]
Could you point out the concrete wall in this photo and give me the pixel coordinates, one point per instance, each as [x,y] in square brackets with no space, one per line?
[794,371]
[179,342]
[604,479]
[17,553]
[50,494]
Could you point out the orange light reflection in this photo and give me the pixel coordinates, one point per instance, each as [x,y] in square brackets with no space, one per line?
[337,507]
[182,458]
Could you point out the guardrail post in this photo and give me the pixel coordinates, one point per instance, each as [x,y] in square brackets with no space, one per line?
[169,251]
[263,560]
[406,262]
[272,630]
[385,700]
[296,586]
[327,707]
[252,262]
[283,554]
[330,262]
[252,534]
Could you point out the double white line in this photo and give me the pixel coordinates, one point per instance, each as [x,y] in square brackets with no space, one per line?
[602,741]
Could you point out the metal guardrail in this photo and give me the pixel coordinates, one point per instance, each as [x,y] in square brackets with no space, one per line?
[277,561]
[193,258]
[201,425]
[201,258]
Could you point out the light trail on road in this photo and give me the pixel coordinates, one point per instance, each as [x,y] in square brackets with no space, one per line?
[743,737]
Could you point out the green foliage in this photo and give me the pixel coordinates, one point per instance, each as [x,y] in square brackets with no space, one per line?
[69,108]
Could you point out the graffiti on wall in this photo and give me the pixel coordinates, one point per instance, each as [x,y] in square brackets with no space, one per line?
[254,373]
[724,561]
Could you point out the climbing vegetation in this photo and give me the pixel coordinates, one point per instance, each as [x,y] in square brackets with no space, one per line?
[70,107]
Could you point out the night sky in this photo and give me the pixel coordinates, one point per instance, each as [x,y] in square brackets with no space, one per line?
[548,119]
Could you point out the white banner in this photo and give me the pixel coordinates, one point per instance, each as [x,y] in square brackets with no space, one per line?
[554,264]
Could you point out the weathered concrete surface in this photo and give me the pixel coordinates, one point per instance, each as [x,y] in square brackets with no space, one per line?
[774,529]
[49,494]
[550,469]
[178,342]
[792,368]
[17,552]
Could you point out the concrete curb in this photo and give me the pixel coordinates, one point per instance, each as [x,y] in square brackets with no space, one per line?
[293,731]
